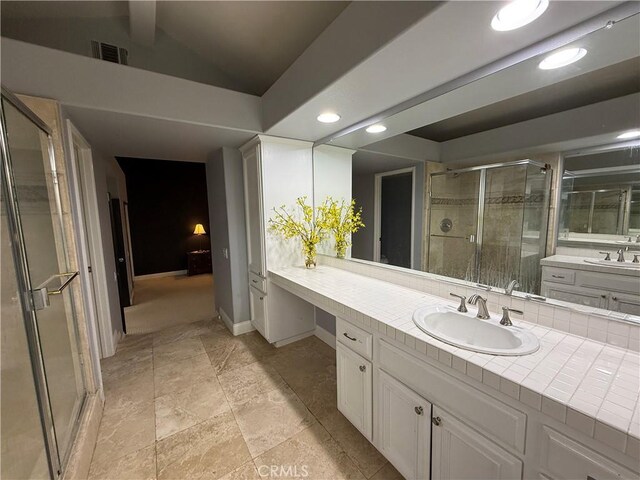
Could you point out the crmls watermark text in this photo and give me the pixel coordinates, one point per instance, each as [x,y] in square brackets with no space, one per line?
[288,471]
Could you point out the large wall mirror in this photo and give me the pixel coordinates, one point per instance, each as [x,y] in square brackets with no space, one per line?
[515,180]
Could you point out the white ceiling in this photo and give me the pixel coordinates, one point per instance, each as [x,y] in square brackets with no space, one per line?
[122,135]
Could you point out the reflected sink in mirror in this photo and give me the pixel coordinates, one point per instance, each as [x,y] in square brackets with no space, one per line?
[614,264]
[464,330]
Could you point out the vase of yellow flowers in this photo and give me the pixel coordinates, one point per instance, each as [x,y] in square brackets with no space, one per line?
[310,230]
[342,220]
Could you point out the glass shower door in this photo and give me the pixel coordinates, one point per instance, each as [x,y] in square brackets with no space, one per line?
[46,288]
[453,224]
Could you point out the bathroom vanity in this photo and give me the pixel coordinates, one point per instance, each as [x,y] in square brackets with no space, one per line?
[437,411]
[594,282]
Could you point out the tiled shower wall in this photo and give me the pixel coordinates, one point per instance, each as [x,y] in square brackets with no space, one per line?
[604,326]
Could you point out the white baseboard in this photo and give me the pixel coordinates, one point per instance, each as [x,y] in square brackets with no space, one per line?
[175,273]
[326,336]
[235,328]
[295,338]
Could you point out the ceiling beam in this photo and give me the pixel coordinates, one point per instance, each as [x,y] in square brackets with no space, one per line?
[142,21]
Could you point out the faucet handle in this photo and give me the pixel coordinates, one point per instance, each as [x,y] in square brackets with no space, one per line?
[635,258]
[506,321]
[608,255]
[462,308]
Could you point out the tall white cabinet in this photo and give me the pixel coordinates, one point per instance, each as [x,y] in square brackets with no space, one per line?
[277,171]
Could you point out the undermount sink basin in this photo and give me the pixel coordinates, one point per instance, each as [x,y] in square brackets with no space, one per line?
[464,330]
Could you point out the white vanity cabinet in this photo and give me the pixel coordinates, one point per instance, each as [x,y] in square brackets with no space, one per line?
[461,453]
[355,391]
[278,315]
[571,279]
[403,427]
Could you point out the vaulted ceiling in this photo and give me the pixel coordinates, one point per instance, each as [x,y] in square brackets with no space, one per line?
[250,43]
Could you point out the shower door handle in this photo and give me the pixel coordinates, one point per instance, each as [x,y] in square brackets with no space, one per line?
[471,238]
[41,294]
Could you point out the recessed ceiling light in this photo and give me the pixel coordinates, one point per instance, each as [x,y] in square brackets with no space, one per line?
[377,128]
[629,134]
[518,13]
[328,117]
[562,58]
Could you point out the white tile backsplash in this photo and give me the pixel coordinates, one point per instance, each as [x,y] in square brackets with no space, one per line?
[614,328]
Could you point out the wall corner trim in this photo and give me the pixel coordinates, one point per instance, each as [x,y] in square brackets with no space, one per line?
[236,328]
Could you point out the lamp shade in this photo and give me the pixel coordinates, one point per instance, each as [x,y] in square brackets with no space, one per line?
[199,230]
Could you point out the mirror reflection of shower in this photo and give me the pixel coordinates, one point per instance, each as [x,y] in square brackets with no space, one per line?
[496,223]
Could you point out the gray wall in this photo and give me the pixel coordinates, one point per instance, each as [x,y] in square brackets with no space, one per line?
[325,320]
[364,194]
[227,221]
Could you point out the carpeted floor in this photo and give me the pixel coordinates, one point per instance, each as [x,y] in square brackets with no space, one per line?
[168,301]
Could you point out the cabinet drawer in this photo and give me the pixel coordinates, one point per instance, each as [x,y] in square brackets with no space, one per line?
[558,275]
[609,282]
[258,282]
[566,459]
[355,338]
[485,413]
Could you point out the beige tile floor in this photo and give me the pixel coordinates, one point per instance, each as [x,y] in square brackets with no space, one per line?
[195,402]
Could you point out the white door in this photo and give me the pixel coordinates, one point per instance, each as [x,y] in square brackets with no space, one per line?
[460,453]
[355,391]
[403,429]
[253,205]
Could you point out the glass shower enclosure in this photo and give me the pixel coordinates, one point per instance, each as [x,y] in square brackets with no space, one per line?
[41,380]
[488,224]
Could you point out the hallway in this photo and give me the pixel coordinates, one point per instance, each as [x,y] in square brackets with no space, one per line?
[165,302]
[193,401]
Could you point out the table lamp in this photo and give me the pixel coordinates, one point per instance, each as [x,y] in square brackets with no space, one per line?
[199,230]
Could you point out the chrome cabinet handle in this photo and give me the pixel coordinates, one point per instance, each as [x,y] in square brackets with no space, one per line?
[436,421]
[353,339]
[557,276]
[419,410]
[615,299]
[363,368]
[254,281]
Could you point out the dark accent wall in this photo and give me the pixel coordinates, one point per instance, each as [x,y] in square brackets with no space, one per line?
[166,200]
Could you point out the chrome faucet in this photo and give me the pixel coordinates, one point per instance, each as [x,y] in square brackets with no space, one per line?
[638,238]
[512,285]
[462,308]
[483,313]
[621,255]
[506,321]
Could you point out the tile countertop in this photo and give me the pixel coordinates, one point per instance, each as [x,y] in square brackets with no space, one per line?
[578,263]
[588,385]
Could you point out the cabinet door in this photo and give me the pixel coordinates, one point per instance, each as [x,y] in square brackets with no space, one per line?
[253,208]
[257,301]
[403,428]
[621,302]
[459,452]
[582,296]
[355,391]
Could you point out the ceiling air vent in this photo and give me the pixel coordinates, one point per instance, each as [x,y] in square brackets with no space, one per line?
[109,53]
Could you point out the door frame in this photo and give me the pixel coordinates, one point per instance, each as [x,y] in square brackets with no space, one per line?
[82,173]
[377,213]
